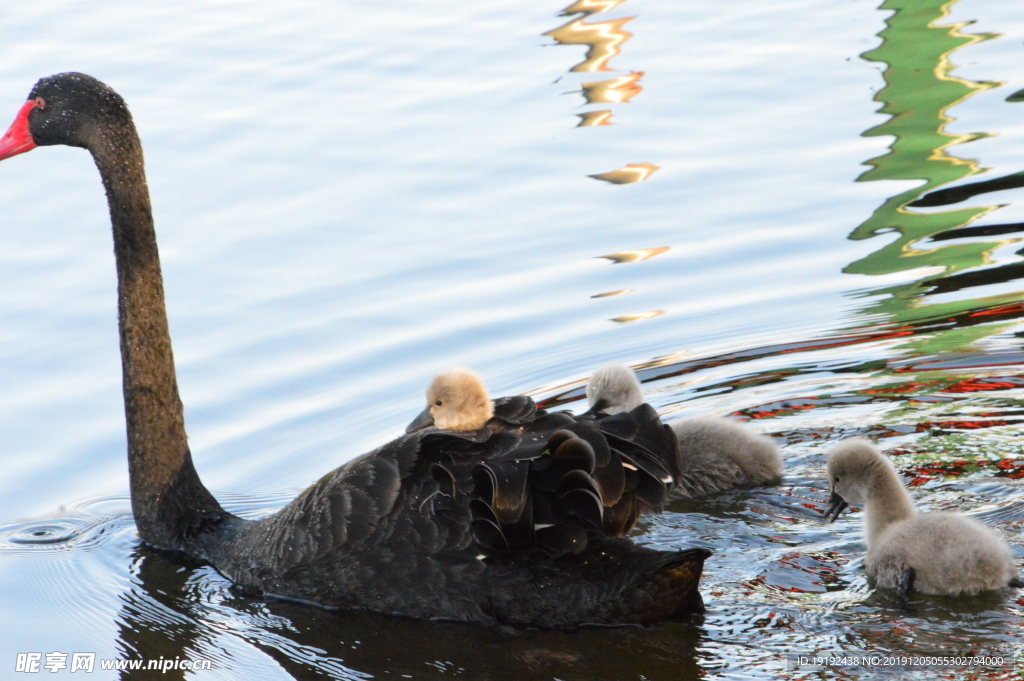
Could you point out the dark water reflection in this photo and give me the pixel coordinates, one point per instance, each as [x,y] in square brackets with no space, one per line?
[170,612]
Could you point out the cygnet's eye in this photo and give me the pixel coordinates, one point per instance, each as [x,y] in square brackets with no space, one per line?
[438,403]
[835,480]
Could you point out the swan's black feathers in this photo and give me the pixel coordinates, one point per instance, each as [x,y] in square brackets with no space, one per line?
[466,525]
[516,410]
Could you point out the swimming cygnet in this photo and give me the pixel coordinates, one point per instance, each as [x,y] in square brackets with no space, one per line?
[934,553]
[456,400]
[715,454]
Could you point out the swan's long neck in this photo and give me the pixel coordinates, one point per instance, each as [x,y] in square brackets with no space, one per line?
[169,502]
[888,502]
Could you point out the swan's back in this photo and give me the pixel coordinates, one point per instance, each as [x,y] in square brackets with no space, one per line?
[949,552]
[517,523]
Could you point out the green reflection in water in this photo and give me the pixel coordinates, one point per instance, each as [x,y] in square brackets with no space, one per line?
[917,94]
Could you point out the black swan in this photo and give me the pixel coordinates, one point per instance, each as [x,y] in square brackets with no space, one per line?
[518,523]
[715,454]
[934,553]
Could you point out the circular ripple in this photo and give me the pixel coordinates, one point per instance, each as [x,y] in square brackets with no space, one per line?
[40,534]
[74,532]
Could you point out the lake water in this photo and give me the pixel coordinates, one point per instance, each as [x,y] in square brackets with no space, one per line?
[350,198]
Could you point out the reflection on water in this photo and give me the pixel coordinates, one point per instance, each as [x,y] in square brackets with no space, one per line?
[918,92]
[621,177]
[604,39]
[591,7]
[614,91]
[635,256]
[600,117]
[945,197]
[633,172]
[637,317]
[609,294]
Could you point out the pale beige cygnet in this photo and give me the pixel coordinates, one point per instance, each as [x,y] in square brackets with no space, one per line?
[715,454]
[456,400]
[934,553]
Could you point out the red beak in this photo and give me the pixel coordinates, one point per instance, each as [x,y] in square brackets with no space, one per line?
[18,139]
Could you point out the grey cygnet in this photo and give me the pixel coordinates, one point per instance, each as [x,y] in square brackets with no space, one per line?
[715,454]
[934,553]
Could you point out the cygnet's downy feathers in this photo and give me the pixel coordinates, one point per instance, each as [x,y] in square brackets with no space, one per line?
[456,400]
[715,454]
[936,553]
[613,389]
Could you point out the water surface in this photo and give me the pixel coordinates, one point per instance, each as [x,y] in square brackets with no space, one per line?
[805,215]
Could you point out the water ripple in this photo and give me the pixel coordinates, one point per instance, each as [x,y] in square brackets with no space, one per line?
[90,528]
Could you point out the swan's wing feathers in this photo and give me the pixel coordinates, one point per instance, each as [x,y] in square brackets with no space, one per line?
[611,478]
[649,452]
[517,409]
[571,483]
[648,433]
[503,485]
[342,509]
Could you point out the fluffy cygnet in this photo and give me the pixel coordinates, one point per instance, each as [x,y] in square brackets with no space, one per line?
[456,400]
[935,553]
[613,389]
[715,454]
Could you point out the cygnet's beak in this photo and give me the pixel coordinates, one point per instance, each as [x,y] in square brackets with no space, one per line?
[836,505]
[424,420]
[599,406]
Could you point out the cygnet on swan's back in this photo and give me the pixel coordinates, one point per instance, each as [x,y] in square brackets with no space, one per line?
[613,389]
[456,400]
[715,454]
[935,553]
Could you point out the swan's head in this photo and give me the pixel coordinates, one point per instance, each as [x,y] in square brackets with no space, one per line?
[456,400]
[614,388]
[69,108]
[854,466]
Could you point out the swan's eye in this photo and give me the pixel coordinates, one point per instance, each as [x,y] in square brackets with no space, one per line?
[40,102]
[438,403]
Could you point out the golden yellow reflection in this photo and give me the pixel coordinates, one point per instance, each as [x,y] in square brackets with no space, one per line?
[603,37]
[591,7]
[637,317]
[589,118]
[616,90]
[609,294]
[635,256]
[634,172]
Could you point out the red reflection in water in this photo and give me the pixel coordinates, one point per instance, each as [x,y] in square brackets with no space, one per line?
[926,472]
[972,385]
